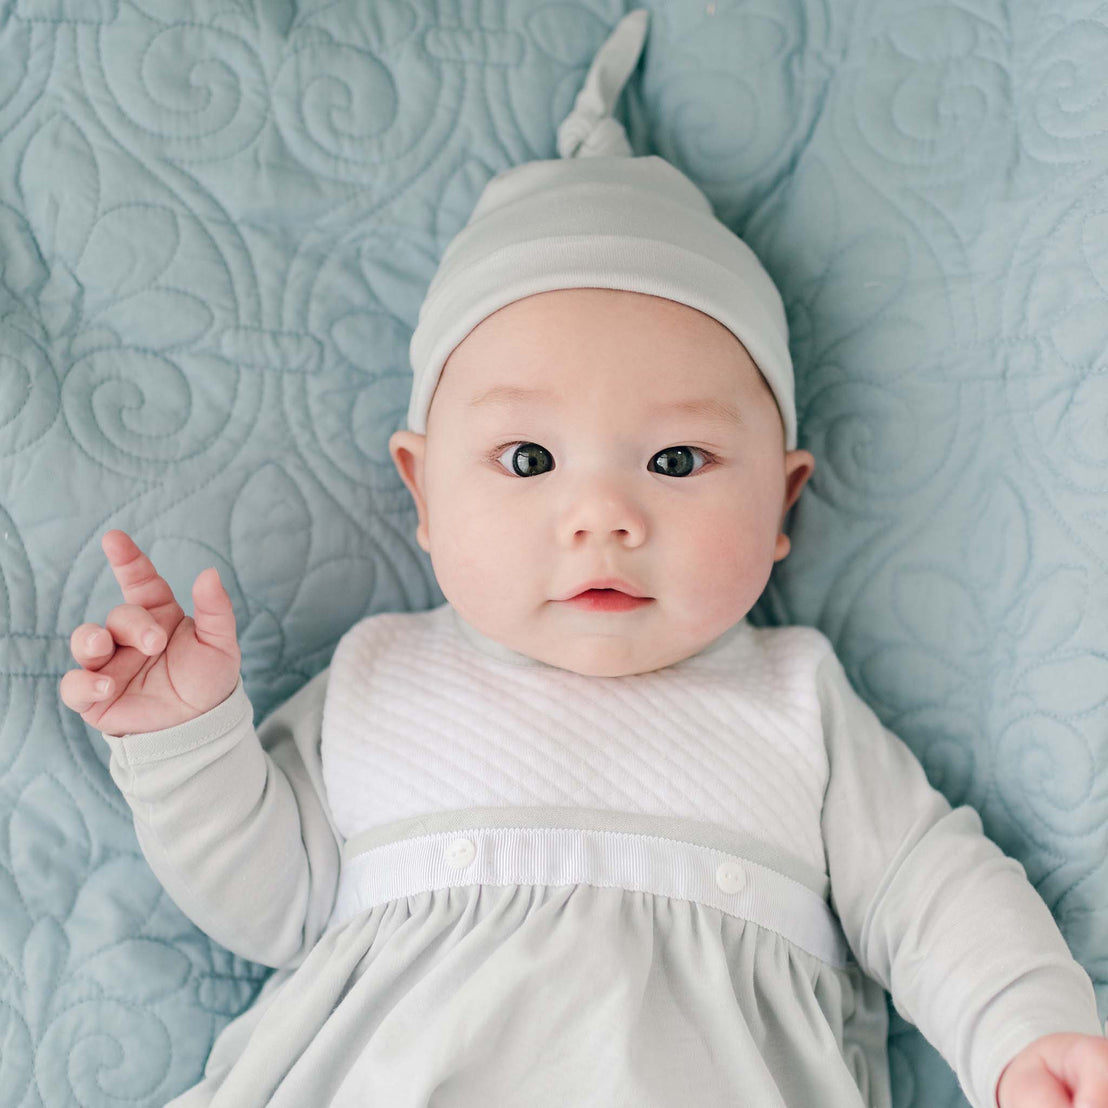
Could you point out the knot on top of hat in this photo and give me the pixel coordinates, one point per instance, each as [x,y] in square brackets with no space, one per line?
[587,138]
[590,129]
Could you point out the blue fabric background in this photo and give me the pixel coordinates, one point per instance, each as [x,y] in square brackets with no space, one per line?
[217,220]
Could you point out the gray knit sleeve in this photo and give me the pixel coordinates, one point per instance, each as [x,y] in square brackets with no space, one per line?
[235,824]
[934,910]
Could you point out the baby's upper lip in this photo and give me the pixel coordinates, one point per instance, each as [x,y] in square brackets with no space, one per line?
[606,583]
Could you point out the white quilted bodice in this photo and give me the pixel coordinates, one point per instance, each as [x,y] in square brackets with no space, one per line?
[424,715]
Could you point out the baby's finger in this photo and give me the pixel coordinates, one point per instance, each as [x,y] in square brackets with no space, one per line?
[80,689]
[91,646]
[1036,1088]
[133,625]
[1086,1071]
[137,577]
[213,613]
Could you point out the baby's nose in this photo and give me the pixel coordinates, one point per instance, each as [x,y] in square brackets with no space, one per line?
[604,510]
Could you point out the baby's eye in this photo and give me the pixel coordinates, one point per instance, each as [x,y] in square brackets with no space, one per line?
[528,459]
[677,461]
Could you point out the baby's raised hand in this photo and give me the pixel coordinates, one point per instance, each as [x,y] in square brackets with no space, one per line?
[1057,1071]
[150,666]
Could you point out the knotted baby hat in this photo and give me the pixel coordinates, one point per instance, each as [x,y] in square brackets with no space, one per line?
[598,217]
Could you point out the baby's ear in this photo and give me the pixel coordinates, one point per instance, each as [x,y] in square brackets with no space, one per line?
[799,465]
[408,451]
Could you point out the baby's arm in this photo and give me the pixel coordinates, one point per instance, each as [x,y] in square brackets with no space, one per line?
[934,910]
[232,821]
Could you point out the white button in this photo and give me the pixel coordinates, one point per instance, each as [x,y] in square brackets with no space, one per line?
[730,877]
[460,853]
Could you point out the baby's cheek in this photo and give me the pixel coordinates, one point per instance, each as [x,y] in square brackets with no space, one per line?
[728,570]
[476,553]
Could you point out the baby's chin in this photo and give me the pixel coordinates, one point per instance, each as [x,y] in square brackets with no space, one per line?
[618,645]
[600,655]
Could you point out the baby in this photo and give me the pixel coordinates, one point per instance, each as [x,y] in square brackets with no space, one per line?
[582,835]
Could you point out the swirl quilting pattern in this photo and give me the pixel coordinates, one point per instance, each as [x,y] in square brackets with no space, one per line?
[217,221]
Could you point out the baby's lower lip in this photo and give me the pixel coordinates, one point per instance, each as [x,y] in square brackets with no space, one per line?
[607,600]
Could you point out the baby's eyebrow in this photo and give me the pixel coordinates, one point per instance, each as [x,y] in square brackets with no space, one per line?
[511,394]
[712,408]
[719,411]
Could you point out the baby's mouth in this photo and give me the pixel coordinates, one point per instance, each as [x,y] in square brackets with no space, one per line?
[608,600]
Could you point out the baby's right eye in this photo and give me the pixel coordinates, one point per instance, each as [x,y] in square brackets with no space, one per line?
[528,459]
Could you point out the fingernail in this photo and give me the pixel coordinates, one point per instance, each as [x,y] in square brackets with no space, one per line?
[150,640]
[103,686]
[93,641]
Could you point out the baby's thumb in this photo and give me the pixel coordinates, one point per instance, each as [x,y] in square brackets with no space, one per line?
[212,612]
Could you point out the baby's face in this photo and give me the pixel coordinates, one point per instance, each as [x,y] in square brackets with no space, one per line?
[591,436]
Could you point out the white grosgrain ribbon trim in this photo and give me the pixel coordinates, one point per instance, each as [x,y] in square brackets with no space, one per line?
[606,859]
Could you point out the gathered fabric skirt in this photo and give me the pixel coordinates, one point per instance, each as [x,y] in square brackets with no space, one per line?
[549,996]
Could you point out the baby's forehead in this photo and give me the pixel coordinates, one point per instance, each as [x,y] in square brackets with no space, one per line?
[538,329]
[567,348]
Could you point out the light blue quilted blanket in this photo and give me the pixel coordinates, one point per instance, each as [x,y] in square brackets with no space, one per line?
[217,220]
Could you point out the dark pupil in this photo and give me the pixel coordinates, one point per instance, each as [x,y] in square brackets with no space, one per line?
[677,462]
[529,459]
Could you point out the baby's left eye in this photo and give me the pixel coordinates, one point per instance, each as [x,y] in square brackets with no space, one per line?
[677,461]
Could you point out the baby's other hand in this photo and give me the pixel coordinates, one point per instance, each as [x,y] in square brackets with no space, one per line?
[150,666]
[1057,1071]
